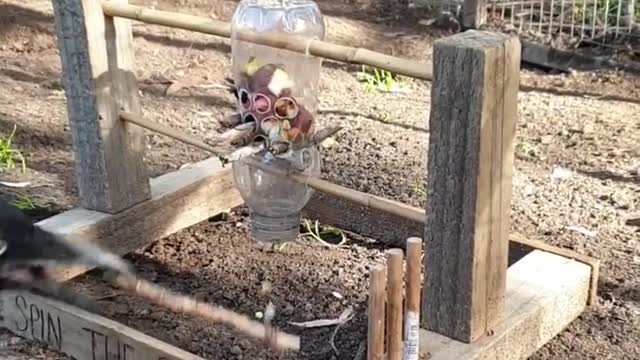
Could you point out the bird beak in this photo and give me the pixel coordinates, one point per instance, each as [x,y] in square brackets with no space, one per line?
[46,247]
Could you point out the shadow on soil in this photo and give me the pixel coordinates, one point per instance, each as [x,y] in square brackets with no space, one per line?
[12,17]
[608,175]
[240,294]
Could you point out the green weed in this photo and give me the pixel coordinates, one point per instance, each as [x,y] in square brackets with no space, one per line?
[23,202]
[8,154]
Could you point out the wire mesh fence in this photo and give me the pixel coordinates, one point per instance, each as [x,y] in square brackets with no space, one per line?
[603,22]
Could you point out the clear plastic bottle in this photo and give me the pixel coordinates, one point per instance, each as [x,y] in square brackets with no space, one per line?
[296,18]
[274,202]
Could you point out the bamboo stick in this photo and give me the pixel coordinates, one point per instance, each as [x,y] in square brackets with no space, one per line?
[412,301]
[185,304]
[319,48]
[395,262]
[376,329]
[358,197]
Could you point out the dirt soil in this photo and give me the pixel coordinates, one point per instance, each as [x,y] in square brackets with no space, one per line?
[577,165]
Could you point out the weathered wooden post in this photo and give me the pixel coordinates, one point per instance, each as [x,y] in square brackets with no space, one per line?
[474,13]
[472,130]
[99,80]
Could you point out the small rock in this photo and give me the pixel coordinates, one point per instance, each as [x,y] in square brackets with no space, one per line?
[156,315]
[546,139]
[328,143]
[236,350]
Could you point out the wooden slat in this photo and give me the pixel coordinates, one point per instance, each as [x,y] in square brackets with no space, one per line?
[179,199]
[472,131]
[392,230]
[545,293]
[79,333]
[98,77]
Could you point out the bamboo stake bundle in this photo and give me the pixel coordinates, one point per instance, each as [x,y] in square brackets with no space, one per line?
[319,48]
[185,304]
[387,323]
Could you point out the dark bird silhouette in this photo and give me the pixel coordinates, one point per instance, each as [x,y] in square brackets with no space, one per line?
[28,254]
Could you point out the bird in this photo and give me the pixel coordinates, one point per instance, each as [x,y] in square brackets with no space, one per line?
[29,254]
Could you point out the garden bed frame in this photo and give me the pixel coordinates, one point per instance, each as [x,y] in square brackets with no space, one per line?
[474,305]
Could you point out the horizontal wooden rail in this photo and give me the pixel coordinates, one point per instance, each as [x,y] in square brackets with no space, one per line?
[341,53]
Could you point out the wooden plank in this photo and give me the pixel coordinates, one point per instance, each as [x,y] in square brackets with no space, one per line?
[392,230]
[98,77]
[472,130]
[79,333]
[545,293]
[178,200]
[474,13]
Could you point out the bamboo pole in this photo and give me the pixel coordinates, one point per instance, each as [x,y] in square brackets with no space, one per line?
[412,301]
[376,329]
[318,48]
[358,197]
[395,262]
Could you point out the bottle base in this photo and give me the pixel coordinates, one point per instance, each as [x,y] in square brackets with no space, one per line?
[275,229]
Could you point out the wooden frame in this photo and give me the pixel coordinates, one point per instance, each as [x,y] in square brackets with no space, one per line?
[499,312]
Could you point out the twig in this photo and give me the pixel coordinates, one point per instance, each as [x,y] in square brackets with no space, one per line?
[335,332]
[185,304]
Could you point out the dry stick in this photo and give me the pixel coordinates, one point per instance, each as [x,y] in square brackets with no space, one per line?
[372,201]
[412,302]
[185,304]
[319,48]
[395,262]
[375,336]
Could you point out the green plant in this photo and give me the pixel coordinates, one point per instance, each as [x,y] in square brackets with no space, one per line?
[23,202]
[381,80]
[325,234]
[602,11]
[8,154]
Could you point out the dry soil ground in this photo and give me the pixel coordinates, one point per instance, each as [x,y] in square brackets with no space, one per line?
[382,152]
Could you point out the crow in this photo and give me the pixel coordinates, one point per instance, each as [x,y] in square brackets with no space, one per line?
[28,254]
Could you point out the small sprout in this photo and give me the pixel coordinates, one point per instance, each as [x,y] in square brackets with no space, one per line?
[8,154]
[23,202]
[325,234]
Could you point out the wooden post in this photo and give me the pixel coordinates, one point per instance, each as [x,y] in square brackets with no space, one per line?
[375,336]
[395,262]
[474,13]
[412,302]
[98,77]
[472,130]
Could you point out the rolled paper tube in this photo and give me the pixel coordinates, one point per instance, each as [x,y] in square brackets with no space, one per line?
[261,103]
[248,117]
[268,123]
[244,99]
[286,108]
